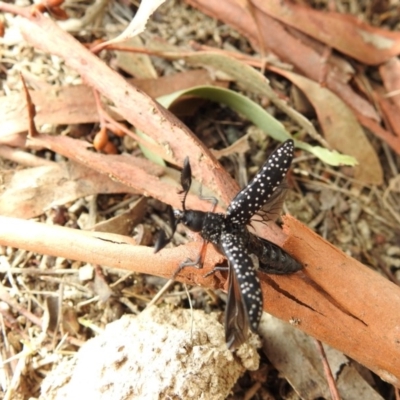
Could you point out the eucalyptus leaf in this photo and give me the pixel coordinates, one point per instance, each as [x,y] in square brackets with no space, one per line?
[261,118]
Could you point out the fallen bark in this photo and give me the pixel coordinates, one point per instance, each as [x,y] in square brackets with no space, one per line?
[336,299]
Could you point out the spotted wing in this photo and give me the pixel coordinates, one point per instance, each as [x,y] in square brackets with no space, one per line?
[264,188]
[244,306]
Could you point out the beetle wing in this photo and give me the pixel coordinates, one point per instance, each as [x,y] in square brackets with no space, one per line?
[244,306]
[261,191]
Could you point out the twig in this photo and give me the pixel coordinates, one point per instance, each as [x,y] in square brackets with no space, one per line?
[328,373]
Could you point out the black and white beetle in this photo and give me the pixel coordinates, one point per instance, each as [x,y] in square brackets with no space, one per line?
[263,196]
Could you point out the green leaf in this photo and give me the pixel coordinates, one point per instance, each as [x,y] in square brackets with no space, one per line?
[259,117]
[329,157]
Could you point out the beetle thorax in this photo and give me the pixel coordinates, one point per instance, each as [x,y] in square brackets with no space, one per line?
[213,226]
[209,225]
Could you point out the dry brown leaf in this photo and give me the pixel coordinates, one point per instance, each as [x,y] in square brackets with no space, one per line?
[51,313]
[135,64]
[390,73]
[22,158]
[70,105]
[31,192]
[343,32]
[123,223]
[380,132]
[391,112]
[341,128]
[174,83]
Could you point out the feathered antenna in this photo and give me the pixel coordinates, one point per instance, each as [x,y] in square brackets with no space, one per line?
[186,182]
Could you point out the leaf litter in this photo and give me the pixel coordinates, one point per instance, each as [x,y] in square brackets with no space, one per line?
[360,221]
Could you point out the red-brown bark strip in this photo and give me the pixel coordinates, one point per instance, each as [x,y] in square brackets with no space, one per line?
[336,299]
[355,309]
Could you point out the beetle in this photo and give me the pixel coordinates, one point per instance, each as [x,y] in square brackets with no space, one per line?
[229,232]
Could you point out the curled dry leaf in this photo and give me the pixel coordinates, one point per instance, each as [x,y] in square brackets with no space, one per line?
[124,223]
[390,110]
